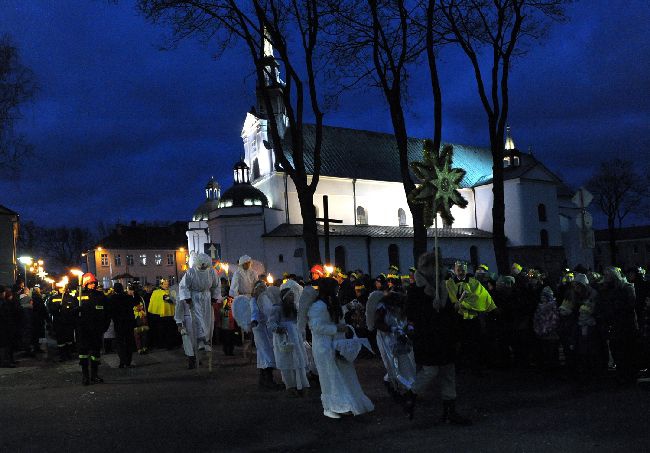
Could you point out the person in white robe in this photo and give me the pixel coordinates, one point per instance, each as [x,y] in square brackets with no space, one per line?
[261,304]
[288,347]
[341,392]
[198,288]
[394,346]
[243,279]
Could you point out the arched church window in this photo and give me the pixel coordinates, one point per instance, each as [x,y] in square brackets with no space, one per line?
[256,169]
[362,216]
[401,215]
[541,212]
[393,255]
[339,257]
[543,238]
[473,256]
[280,258]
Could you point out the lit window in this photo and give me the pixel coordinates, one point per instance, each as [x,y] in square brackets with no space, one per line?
[129,260]
[248,202]
[143,260]
[118,260]
[104,259]
[506,161]
[158,259]
[170,259]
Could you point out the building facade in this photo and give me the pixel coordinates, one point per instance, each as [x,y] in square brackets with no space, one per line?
[8,240]
[141,253]
[360,174]
[632,248]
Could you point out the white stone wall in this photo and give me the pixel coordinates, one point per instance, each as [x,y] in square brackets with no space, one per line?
[356,253]
[381,200]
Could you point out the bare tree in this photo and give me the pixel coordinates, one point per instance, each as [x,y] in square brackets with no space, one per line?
[17,86]
[379,40]
[255,24]
[61,247]
[501,28]
[619,190]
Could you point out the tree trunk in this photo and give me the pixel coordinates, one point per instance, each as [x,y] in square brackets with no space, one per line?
[499,209]
[309,227]
[419,232]
[611,230]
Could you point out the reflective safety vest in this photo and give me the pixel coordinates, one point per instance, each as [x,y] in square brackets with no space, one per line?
[160,304]
[474,298]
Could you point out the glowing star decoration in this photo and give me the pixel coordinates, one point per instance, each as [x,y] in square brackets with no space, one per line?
[438,191]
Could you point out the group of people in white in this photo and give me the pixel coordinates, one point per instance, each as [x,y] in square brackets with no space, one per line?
[278,318]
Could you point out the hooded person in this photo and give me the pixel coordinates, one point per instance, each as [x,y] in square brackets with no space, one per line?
[288,347]
[394,345]
[198,288]
[244,278]
[434,329]
[261,304]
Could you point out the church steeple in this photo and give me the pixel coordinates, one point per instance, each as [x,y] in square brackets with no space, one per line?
[510,143]
[511,155]
[273,85]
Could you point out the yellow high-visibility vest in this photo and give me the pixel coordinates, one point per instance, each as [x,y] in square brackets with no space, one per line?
[477,299]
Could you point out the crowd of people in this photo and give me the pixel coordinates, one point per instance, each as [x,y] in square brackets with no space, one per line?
[422,325]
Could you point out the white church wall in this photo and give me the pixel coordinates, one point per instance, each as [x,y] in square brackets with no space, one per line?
[381,200]
[237,236]
[483,202]
[534,193]
[515,216]
[197,236]
[279,256]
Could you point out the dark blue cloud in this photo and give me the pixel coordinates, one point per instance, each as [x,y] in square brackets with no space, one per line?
[125,131]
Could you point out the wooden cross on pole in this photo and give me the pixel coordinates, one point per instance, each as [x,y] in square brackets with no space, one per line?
[326,227]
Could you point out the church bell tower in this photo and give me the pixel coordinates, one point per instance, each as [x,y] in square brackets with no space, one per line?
[274,86]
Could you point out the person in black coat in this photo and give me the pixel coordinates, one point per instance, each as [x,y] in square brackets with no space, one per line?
[434,325]
[64,309]
[7,327]
[38,318]
[124,321]
[94,320]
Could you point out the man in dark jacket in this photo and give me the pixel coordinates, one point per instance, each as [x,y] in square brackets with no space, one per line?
[124,320]
[64,309]
[434,331]
[93,322]
[615,306]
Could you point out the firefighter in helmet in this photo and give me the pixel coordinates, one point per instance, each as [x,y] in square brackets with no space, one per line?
[94,320]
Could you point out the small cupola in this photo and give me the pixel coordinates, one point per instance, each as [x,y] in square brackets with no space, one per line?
[511,155]
[241,173]
[211,202]
[212,189]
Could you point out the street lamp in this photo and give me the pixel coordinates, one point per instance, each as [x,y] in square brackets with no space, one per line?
[26,261]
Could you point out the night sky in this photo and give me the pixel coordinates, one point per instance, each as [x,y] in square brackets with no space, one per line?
[125,131]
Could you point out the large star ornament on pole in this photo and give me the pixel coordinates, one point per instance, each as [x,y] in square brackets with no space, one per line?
[438,191]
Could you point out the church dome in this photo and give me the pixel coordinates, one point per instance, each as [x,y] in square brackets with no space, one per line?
[211,202]
[242,195]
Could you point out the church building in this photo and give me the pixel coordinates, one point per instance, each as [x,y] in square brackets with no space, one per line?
[260,214]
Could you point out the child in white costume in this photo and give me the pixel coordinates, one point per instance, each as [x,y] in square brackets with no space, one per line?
[288,347]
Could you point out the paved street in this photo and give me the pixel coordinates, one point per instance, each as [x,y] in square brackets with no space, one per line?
[161,406]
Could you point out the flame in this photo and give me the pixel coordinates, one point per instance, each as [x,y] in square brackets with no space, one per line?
[269,279]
